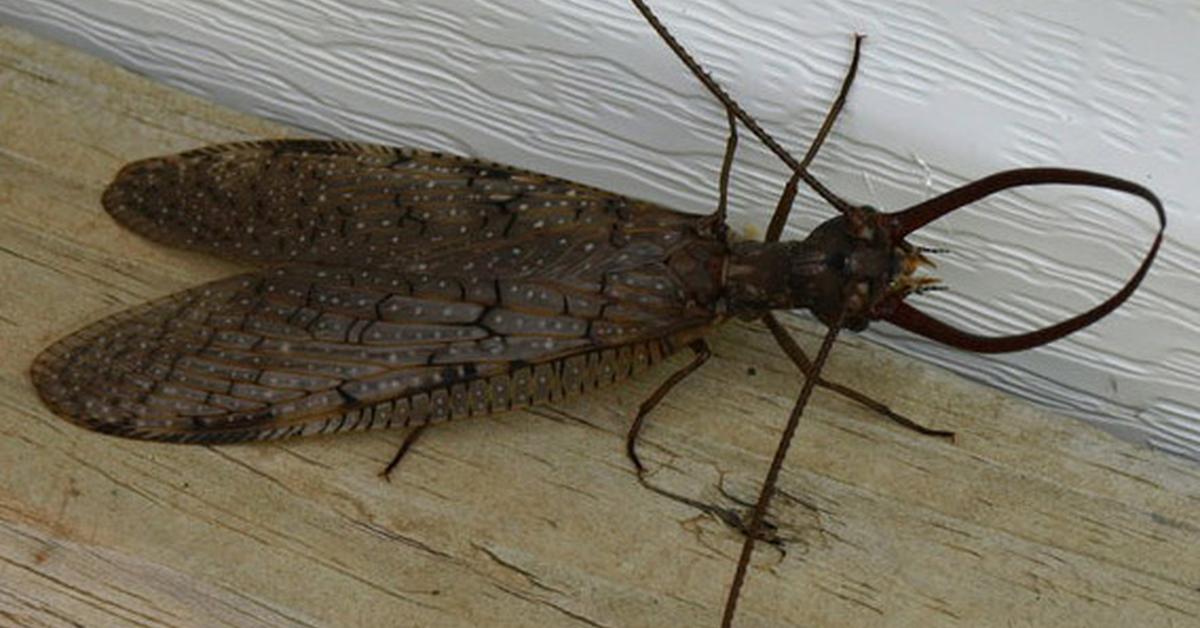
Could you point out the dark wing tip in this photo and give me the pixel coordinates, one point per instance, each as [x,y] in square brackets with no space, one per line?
[137,191]
[50,374]
[43,373]
[82,378]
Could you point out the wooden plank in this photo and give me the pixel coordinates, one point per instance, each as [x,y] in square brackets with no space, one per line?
[534,518]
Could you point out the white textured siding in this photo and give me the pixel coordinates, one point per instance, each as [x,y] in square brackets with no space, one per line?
[948,91]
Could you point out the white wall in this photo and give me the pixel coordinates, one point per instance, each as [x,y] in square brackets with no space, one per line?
[948,91]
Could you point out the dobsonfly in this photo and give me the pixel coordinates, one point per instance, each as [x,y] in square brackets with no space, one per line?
[400,287]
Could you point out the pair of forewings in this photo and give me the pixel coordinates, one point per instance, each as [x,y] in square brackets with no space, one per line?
[396,287]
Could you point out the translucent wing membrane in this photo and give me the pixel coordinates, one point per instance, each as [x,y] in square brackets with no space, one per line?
[305,349]
[367,205]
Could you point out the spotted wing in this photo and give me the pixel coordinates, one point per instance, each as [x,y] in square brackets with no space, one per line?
[367,205]
[304,349]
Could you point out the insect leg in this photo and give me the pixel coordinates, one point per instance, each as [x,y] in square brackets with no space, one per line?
[793,350]
[702,354]
[726,169]
[768,488]
[784,207]
[409,439]
[731,105]
[732,517]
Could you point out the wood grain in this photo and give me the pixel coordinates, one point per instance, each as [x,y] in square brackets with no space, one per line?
[530,518]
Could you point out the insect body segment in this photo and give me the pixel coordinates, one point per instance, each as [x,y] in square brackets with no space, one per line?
[840,272]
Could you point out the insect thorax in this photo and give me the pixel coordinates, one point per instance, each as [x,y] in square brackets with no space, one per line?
[836,272]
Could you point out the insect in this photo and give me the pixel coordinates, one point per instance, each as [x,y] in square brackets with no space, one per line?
[400,287]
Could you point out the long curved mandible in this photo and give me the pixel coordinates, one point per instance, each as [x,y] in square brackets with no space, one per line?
[900,224]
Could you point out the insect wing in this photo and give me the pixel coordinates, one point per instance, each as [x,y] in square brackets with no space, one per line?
[362,205]
[306,349]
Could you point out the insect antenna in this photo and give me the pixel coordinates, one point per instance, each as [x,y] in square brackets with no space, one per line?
[754,526]
[799,168]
